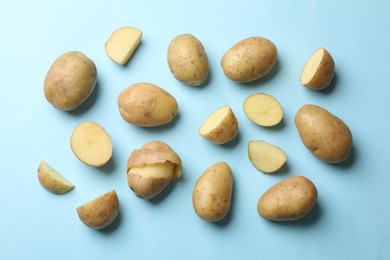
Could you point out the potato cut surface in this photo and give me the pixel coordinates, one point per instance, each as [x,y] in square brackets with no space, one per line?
[52,180]
[214,120]
[312,65]
[122,44]
[91,144]
[266,157]
[263,109]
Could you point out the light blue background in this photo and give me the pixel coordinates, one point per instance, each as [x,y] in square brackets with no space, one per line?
[351,219]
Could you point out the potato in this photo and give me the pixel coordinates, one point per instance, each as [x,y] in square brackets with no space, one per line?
[318,70]
[52,180]
[220,127]
[263,110]
[266,157]
[151,168]
[91,144]
[147,105]
[290,199]
[249,59]
[326,136]
[122,44]
[212,194]
[188,60]
[70,80]
[100,212]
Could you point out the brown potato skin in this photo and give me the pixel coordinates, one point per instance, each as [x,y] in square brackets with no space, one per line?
[147,188]
[249,59]
[326,136]
[70,80]
[147,105]
[290,199]
[212,192]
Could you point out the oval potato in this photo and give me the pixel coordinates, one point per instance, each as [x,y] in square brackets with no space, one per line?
[326,136]
[249,59]
[188,60]
[147,105]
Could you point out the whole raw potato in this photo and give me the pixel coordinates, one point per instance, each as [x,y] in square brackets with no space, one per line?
[147,105]
[70,80]
[249,59]
[187,60]
[326,136]
[290,199]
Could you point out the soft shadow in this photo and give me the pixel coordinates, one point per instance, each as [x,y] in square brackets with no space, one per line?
[284,170]
[165,127]
[128,63]
[87,104]
[328,90]
[261,81]
[347,163]
[109,167]
[233,143]
[228,218]
[113,226]
[165,192]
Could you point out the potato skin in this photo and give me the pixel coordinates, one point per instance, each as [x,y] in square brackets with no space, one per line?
[249,59]
[147,105]
[290,199]
[188,60]
[70,80]
[326,136]
[212,192]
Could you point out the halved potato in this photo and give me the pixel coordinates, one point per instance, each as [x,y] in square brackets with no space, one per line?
[266,157]
[91,144]
[220,127]
[52,180]
[263,109]
[318,70]
[122,44]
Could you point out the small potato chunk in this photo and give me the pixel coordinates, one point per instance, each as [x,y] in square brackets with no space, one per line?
[212,194]
[100,212]
[151,168]
[290,199]
[266,157]
[91,144]
[263,110]
[122,44]
[318,70]
[52,180]
[220,127]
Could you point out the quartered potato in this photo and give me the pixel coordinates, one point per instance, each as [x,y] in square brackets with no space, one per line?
[52,180]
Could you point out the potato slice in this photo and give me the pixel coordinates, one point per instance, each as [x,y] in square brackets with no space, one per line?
[266,157]
[122,44]
[52,180]
[220,127]
[263,109]
[318,70]
[91,144]
[100,212]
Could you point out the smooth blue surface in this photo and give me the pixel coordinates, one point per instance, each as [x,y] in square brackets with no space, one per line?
[351,219]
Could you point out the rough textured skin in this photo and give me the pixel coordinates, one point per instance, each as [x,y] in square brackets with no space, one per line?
[249,59]
[211,197]
[147,105]
[187,60]
[50,183]
[100,212]
[325,135]
[70,80]
[290,199]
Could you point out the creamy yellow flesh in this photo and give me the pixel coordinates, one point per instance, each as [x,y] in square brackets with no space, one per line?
[158,170]
[263,109]
[214,120]
[45,168]
[312,65]
[266,157]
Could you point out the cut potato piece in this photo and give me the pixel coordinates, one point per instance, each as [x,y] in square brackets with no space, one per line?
[122,44]
[100,212]
[266,157]
[91,144]
[263,109]
[52,180]
[318,70]
[220,127]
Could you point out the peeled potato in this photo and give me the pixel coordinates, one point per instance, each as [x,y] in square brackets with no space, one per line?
[318,70]
[266,157]
[52,180]
[91,144]
[122,44]
[263,109]
[220,127]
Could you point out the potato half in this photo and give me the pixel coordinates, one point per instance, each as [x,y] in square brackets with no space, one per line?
[220,127]
[52,180]
[266,157]
[151,168]
[263,110]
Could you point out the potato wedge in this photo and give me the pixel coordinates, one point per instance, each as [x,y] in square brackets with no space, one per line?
[122,44]
[52,180]
[266,157]
[263,110]
[91,144]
